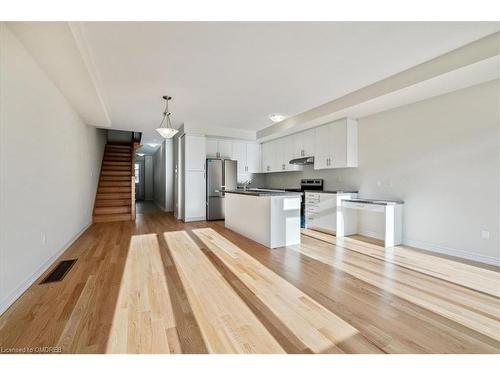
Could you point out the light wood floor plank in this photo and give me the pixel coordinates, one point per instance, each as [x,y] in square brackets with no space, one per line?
[226,322]
[477,278]
[475,310]
[318,328]
[144,308]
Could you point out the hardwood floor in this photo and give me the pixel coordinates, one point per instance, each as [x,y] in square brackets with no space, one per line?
[158,285]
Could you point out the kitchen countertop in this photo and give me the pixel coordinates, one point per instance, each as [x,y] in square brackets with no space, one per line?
[382,202]
[263,192]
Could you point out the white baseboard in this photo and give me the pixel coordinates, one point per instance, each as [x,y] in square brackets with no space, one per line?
[10,299]
[368,233]
[190,219]
[439,249]
[453,252]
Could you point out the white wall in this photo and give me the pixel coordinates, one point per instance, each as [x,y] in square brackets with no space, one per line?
[163,176]
[441,156]
[49,166]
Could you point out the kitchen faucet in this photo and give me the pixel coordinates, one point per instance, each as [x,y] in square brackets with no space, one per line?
[246,183]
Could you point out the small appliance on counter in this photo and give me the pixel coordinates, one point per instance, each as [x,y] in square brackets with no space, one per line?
[221,175]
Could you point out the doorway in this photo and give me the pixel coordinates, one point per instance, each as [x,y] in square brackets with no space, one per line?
[139,180]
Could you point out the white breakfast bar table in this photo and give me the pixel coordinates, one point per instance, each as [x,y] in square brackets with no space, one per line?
[392,212]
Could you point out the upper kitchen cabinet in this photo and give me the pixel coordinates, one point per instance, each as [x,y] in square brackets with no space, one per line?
[336,145]
[276,156]
[286,153]
[303,144]
[248,157]
[253,158]
[219,148]
[268,157]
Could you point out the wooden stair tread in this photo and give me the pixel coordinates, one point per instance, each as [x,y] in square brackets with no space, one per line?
[114,189]
[112,210]
[117,145]
[112,183]
[117,173]
[112,202]
[119,154]
[115,178]
[116,167]
[106,162]
[112,217]
[114,195]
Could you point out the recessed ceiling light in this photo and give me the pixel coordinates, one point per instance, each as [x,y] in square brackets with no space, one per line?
[140,154]
[152,144]
[276,117]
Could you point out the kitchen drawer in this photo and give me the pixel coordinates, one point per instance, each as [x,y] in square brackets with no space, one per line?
[312,196]
[364,206]
[313,208]
[312,202]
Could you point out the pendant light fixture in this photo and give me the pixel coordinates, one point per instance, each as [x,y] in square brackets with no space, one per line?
[166,131]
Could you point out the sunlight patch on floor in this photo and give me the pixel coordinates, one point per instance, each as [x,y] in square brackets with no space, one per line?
[143,317]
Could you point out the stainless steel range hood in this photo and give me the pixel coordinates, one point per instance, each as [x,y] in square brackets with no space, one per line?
[303,161]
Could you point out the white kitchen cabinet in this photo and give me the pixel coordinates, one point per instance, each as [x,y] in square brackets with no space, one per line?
[280,151]
[193,171]
[212,148]
[336,145]
[195,154]
[267,157]
[302,144]
[287,154]
[321,212]
[253,158]
[225,148]
[195,200]
[219,148]
[248,156]
[276,156]
[240,155]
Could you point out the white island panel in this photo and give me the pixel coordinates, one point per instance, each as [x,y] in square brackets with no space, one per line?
[273,221]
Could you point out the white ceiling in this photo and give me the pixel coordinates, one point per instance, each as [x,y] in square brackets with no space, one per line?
[235,74]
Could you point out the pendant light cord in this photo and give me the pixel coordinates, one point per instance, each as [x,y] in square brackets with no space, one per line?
[166,114]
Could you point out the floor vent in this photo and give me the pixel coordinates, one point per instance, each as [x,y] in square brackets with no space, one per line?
[59,272]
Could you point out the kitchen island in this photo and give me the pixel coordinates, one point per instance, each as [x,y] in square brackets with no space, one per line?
[269,217]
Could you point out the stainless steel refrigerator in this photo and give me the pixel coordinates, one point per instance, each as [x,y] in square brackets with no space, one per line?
[221,175]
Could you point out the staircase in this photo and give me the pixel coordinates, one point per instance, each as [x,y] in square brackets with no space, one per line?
[115,199]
